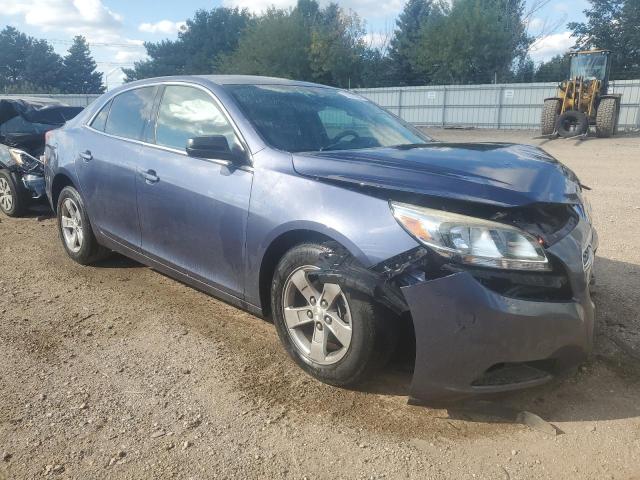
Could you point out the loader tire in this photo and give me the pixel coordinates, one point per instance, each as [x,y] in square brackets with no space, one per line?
[606,117]
[572,123]
[550,112]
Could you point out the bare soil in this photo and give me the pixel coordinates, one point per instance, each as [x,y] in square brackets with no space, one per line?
[116,371]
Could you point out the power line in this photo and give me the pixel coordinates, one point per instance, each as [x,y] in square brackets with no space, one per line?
[95,44]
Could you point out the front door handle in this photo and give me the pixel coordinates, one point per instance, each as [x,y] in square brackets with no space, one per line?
[150,176]
[86,156]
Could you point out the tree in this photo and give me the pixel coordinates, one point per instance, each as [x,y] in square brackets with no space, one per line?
[554,70]
[276,45]
[167,57]
[336,50]
[475,42]
[612,25]
[306,42]
[209,36]
[43,66]
[404,43]
[14,50]
[27,65]
[79,69]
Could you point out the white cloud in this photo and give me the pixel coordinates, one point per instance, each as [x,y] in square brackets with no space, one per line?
[128,56]
[69,15]
[551,45]
[377,40]
[163,26]
[536,24]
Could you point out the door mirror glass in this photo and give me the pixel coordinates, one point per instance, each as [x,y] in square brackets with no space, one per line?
[212,146]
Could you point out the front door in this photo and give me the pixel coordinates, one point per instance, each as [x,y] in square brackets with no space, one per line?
[107,164]
[193,211]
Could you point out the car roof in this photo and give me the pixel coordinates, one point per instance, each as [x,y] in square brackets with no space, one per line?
[223,80]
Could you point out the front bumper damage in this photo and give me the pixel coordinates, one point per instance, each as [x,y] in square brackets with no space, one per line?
[30,173]
[472,340]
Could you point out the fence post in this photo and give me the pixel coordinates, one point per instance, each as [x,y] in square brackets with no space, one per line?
[400,103]
[499,119]
[444,107]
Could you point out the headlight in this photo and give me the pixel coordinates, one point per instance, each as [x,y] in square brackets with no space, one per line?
[22,158]
[16,155]
[472,240]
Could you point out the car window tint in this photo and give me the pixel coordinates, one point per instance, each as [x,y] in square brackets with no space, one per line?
[188,112]
[336,121]
[298,118]
[129,112]
[101,119]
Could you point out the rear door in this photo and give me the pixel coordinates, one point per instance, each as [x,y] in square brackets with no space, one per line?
[107,164]
[193,211]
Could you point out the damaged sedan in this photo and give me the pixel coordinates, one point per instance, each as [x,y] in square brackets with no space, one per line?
[23,125]
[348,227]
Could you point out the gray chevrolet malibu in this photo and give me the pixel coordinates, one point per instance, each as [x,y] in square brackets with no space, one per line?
[348,227]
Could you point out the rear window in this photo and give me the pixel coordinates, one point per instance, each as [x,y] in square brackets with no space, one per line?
[129,113]
[100,120]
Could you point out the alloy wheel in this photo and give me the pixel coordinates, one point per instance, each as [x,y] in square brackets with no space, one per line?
[71,224]
[6,196]
[317,317]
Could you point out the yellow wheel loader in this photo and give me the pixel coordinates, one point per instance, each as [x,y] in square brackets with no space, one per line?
[583,99]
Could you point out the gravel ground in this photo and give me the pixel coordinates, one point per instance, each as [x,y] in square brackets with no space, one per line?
[116,371]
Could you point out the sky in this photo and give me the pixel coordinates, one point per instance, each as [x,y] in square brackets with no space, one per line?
[116,29]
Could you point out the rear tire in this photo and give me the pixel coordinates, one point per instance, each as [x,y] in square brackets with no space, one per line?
[372,340]
[75,229]
[13,197]
[572,123]
[606,117]
[550,112]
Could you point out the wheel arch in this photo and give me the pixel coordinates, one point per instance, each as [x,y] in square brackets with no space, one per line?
[59,182]
[279,246]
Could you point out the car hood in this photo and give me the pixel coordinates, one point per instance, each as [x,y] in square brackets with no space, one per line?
[502,174]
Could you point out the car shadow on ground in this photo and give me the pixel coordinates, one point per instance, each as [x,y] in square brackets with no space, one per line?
[39,210]
[606,387]
[116,260]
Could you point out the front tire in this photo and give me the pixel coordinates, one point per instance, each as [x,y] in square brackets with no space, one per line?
[13,198]
[338,336]
[606,117]
[75,229]
[550,112]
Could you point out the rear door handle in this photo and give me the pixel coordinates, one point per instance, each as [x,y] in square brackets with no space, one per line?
[86,156]
[150,176]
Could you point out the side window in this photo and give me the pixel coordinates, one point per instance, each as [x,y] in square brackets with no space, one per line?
[101,119]
[129,112]
[187,112]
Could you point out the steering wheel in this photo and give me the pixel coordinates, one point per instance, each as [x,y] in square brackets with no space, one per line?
[347,133]
[339,137]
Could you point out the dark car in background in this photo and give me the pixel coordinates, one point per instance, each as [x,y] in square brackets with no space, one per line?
[23,124]
[319,209]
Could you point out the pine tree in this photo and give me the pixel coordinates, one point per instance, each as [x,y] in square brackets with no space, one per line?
[406,37]
[79,69]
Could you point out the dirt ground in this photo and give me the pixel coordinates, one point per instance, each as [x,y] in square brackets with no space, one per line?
[116,371]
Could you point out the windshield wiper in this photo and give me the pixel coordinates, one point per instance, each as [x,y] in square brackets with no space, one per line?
[410,146]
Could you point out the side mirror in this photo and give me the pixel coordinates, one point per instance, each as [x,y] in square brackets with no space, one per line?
[212,146]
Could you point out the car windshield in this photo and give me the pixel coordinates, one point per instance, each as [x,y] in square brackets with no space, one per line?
[303,119]
[589,66]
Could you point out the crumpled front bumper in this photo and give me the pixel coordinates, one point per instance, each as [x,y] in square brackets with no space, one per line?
[34,184]
[471,340]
